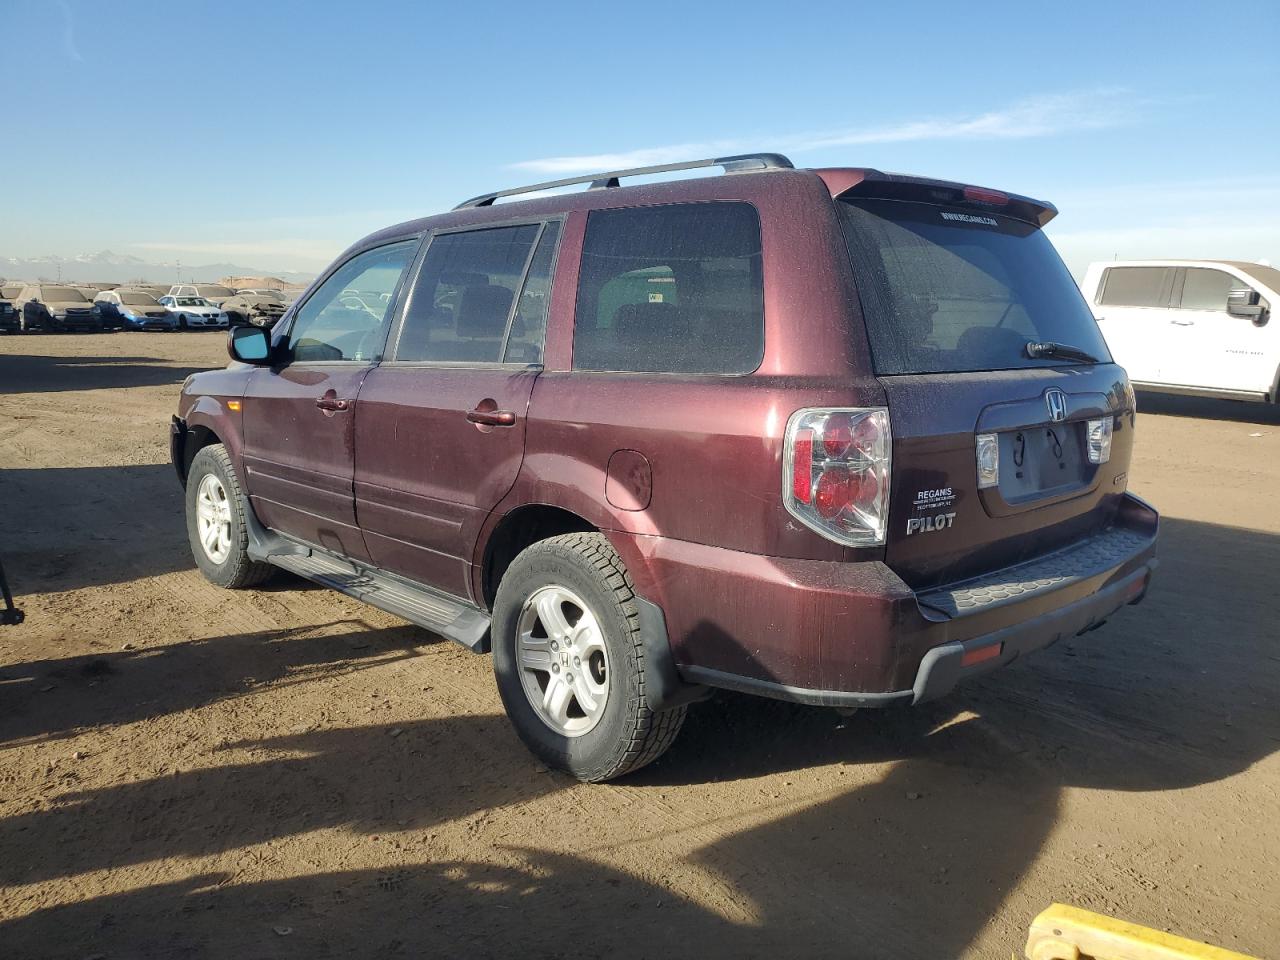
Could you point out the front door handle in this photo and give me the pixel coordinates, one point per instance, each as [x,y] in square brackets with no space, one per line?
[1183,323]
[492,418]
[333,403]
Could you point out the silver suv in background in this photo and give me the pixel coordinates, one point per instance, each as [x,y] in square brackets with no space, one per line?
[54,307]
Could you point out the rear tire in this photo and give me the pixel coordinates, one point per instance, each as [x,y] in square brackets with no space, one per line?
[216,525]
[570,662]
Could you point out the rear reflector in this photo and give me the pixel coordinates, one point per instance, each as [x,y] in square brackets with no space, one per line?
[980,654]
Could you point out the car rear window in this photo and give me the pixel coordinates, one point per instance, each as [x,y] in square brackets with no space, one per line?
[674,288]
[950,291]
[62,295]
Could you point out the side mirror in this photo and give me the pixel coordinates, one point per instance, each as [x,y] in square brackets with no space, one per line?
[1246,302]
[249,345]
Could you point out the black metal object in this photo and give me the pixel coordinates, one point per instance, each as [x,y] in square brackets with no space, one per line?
[739,163]
[10,616]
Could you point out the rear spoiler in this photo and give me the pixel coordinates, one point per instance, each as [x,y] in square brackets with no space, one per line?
[845,182]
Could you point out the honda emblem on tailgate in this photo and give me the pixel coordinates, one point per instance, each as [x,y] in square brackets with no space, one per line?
[1056,401]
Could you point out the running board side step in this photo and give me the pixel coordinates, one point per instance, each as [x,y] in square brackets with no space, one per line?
[431,609]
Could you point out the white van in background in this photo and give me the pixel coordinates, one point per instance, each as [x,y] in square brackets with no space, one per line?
[1200,327]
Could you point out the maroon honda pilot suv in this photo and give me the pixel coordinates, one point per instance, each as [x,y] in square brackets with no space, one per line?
[834,436]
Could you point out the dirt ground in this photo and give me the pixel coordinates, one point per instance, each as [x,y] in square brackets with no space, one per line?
[188,772]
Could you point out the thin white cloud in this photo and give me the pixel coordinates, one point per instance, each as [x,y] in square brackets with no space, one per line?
[1036,117]
[1213,218]
[1042,116]
[69,46]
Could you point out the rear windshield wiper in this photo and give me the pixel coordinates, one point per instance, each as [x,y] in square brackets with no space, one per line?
[1063,351]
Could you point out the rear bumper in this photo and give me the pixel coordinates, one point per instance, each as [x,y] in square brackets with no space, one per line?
[76,323]
[855,635]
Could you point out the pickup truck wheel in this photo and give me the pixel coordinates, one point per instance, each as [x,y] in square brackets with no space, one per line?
[215,522]
[569,660]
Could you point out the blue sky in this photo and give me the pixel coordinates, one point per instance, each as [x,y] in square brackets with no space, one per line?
[272,134]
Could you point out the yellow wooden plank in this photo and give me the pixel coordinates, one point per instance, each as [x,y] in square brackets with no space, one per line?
[1069,933]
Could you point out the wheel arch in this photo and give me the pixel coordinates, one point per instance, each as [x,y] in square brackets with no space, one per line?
[515,531]
[208,421]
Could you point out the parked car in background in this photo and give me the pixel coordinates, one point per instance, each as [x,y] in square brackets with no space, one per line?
[215,293]
[128,309]
[157,290]
[834,436]
[54,307]
[9,308]
[247,309]
[194,313]
[264,294]
[1199,327]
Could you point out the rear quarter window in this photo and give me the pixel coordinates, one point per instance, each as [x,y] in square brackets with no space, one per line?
[675,288]
[1136,287]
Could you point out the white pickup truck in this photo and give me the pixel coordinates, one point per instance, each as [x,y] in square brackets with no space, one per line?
[1199,327]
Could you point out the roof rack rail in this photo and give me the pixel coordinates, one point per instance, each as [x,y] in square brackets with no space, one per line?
[738,163]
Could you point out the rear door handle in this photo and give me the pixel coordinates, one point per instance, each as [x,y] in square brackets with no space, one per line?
[333,403]
[1183,323]
[492,418]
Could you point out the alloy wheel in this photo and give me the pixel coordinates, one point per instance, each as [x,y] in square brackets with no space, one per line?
[213,518]
[563,660]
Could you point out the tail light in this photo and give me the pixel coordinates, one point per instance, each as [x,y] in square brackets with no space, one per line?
[1100,439]
[836,473]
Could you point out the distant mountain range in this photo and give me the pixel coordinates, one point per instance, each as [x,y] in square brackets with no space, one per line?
[109,267]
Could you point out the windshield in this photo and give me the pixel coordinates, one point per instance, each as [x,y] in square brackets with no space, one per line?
[62,295]
[950,291]
[215,292]
[193,302]
[138,299]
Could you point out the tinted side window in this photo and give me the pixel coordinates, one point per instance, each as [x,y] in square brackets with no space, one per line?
[345,318]
[464,294]
[1207,289]
[529,327]
[671,289]
[1135,287]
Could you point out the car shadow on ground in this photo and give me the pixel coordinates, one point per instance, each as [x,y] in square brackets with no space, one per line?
[1170,695]
[70,527]
[39,373]
[1207,408]
[51,699]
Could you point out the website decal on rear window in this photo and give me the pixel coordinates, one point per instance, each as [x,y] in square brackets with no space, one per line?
[970,218]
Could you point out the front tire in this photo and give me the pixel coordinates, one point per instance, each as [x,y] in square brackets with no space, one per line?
[215,522]
[570,662]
